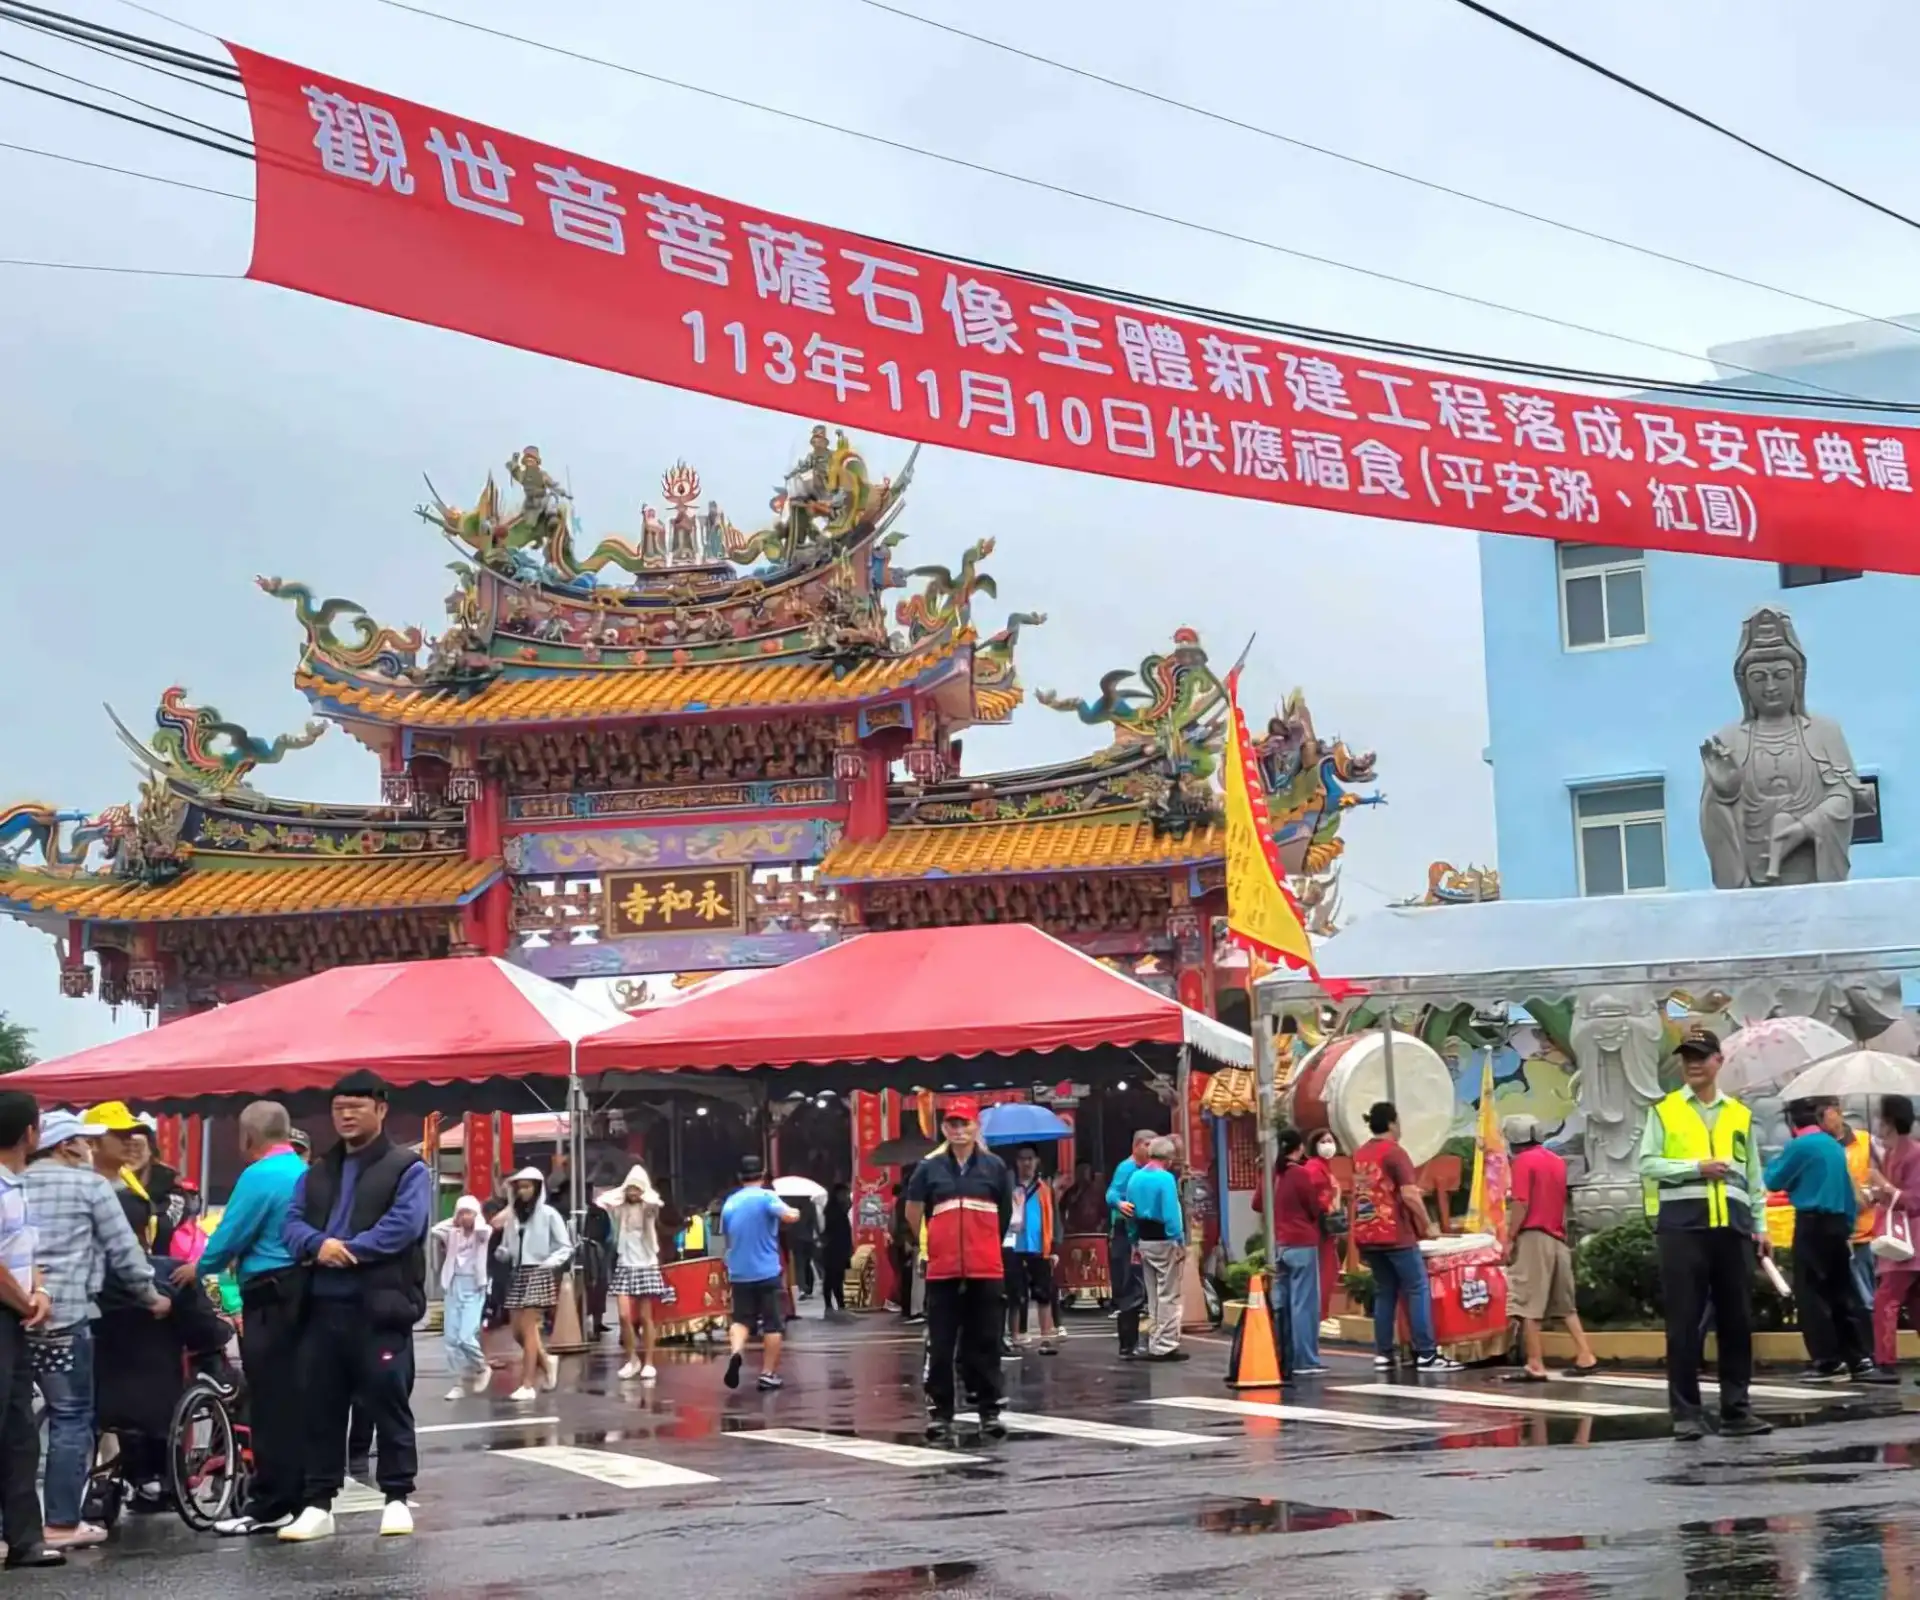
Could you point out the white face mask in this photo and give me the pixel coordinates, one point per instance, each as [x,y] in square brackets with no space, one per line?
[1324,1149]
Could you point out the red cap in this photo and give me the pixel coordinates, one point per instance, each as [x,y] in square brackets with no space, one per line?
[962,1106]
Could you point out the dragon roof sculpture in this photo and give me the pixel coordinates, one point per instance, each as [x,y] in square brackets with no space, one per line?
[1310,785]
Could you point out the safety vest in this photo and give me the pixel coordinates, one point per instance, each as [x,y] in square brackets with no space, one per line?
[1696,1203]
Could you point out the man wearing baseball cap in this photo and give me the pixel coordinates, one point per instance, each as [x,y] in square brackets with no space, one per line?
[966,1196]
[111,1127]
[1700,1166]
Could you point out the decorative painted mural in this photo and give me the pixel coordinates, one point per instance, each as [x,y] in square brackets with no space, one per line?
[630,849]
[653,802]
[1532,1077]
[676,952]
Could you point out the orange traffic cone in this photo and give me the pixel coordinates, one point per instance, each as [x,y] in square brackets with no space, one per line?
[1254,1362]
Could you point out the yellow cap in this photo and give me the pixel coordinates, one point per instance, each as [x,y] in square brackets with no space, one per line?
[111,1116]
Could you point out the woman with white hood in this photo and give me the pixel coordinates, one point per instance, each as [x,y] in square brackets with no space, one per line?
[535,1243]
[637,1280]
[466,1241]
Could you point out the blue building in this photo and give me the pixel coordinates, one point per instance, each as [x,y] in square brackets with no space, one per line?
[1607,668]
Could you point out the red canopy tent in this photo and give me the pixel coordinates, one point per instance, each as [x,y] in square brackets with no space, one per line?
[926,994]
[418,1024]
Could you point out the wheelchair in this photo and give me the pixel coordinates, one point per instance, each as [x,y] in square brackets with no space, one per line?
[209,1451]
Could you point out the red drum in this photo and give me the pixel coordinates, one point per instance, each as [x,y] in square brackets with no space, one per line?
[1339,1083]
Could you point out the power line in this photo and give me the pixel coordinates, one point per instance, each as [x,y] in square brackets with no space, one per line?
[124,116]
[125,172]
[132,272]
[1484,302]
[185,27]
[1379,168]
[103,37]
[1678,109]
[101,88]
[126,56]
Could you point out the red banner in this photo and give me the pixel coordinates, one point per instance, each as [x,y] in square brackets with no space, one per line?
[377,202]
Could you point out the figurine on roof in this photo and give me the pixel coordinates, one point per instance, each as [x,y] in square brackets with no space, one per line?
[947,601]
[543,502]
[1308,785]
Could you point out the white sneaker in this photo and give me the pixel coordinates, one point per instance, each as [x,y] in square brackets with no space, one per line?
[553,1371]
[246,1527]
[633,1369]
[483,1380]
[396,1520]
[648,1374]
[312,1523]
[457,1392]
[526,1391]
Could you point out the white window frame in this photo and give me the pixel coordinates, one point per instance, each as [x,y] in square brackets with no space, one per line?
[1634,561]
[1619,822]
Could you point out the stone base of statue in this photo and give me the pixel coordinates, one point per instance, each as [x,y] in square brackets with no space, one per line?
[1601,1203]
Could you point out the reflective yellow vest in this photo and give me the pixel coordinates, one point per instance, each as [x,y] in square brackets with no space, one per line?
[1695,1203]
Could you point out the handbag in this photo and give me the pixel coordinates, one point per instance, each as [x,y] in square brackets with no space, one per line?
[1334,1224]
[1893,1239]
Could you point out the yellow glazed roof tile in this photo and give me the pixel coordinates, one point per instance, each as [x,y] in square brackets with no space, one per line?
[304,889]
[628,692]
[965,850]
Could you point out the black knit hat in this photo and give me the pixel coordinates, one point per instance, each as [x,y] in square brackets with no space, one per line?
[361,1085]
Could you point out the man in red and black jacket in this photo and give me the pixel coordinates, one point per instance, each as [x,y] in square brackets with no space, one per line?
[965,1194]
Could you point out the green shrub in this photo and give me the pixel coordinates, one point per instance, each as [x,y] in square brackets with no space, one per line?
[1616,1276]
[1359,1287]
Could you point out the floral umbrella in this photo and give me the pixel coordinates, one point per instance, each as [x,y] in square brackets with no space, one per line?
[1764,1055]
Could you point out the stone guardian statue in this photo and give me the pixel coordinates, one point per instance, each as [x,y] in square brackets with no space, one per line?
[1778,789]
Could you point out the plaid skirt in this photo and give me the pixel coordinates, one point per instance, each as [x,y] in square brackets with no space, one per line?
[532,1286]
[642,1283]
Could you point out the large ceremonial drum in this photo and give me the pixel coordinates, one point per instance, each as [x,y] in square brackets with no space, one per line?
[1337,1084]
[1467,1275]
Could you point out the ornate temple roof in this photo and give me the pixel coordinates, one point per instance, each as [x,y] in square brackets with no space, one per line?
[694,688]
[278,889]
[1125,842]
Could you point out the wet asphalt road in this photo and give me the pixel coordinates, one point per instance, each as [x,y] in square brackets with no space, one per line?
[1449,1487]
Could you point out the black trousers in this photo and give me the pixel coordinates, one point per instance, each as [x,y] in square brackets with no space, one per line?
[1129,1287]
[1832,1320]
[270,1355]
[345,1365]
[833,1280]
[963,1321]
[359,1438]
[1701,1268]
[19,1440]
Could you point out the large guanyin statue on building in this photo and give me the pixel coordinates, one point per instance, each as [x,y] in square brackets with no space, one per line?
[1778,790]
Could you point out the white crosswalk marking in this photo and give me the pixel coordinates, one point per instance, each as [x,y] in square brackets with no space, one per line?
[1101,1432]
[356,1498]
[606,1466]
[874,1450]
[491,1422]
[1293,1413]
[1760,1391]
[1498,1402]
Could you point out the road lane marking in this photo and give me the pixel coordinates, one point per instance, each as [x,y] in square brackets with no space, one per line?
[876,1451]
[607,1466]
[492,1422]
[1759,1391]
[356,1498]
[1292,1413]
[1498,1402]
[1102,1432]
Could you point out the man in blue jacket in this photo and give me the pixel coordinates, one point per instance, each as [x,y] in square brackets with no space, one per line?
[358,1223]
[1812,1172]
[1153,1197]
[250,1240]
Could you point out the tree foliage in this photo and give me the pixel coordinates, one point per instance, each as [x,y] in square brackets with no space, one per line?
[16,1045]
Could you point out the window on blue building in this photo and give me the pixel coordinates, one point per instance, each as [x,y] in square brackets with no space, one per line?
[1622,834]
[1603,598]
[1798,575]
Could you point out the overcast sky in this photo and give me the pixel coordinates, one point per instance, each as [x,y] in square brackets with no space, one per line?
[169,438]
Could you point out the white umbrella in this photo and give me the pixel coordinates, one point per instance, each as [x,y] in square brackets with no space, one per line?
[1763,1055]
[795,1187]
[1856,1072]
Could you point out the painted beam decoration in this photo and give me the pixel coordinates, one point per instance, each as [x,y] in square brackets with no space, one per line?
[375,201]
[677,952]
[587,850]
[706,900]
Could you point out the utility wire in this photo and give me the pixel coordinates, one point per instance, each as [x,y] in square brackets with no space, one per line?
[1461,296]
[131,272]
[200,78]
[101,88]
[125,172]
[185,27]
[66,22]
[1379,168]
[1634,87]
[125,116]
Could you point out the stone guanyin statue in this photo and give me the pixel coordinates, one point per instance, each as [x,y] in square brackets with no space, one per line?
[1778,789]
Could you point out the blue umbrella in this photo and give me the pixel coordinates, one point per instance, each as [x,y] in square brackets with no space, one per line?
[1021,1122]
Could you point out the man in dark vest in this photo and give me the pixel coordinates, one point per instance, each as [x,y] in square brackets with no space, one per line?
[358,1222]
